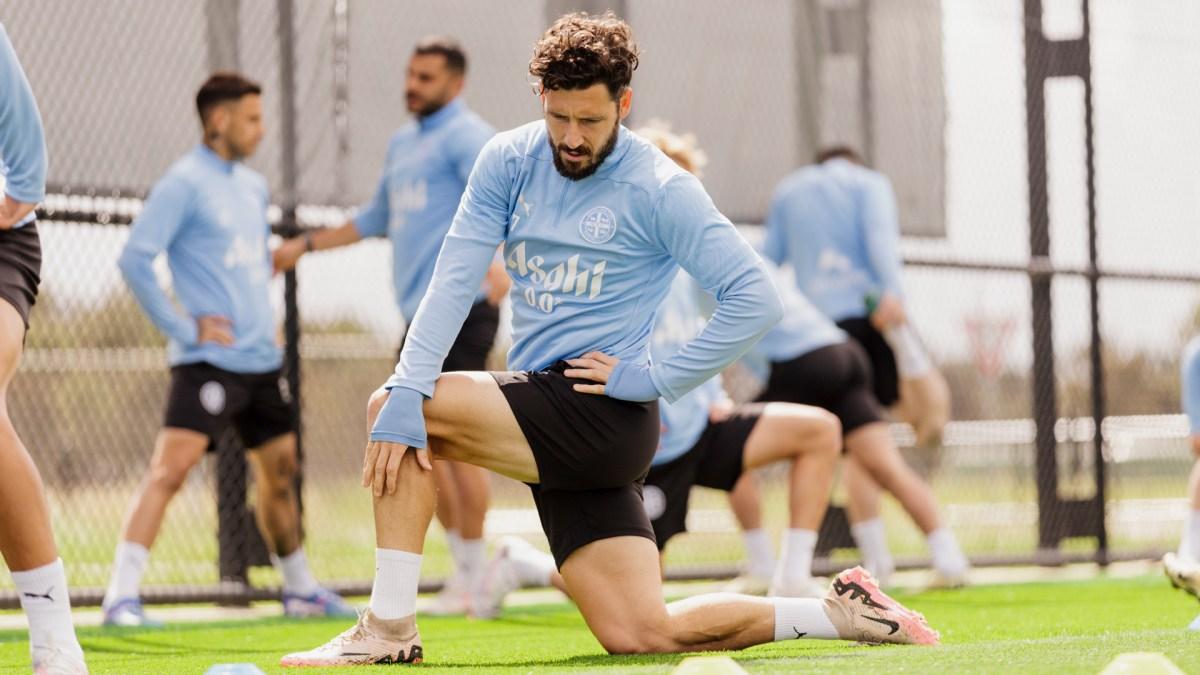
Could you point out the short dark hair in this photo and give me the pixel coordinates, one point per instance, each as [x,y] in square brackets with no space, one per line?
[220,87]
[581,50]
[838,152]
[448,47]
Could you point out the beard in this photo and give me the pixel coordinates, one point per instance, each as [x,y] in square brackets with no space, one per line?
[577,172]
[421,107]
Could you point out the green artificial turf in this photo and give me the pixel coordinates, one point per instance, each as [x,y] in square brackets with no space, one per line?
[1062,627]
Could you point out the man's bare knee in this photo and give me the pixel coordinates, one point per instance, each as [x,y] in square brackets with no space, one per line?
[374,405]
[636,642]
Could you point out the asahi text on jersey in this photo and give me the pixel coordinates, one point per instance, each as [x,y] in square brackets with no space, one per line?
[574,276]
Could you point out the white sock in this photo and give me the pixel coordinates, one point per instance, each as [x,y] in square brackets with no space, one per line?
[795,555]
[472,558]
[948,558]
[797,618]
[533,567]
[760,558]
[48,607]
[871,539]
[129,564]
[397,573]
[1189,543]
[298,578]
[454,543]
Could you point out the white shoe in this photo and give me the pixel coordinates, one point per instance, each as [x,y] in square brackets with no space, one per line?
[943,579]
[371,640]
[1183,573]
[808,587]
[748,584]
[452,600]
[860,611]
[53,661]
[498,580]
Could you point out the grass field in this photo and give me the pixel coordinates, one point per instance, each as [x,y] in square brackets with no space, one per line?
[1059,627]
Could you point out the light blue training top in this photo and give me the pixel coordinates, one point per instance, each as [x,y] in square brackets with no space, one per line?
[678,321]
[835,223]
[590,261]
[209,216]
[1190,377]
[802,329]
[424,175]
[22,139]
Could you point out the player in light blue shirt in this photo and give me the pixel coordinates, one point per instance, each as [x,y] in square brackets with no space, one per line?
[1183,566]
[22,142]
[424,176]
[835,224]
[595,223]
[708,441]
[28,541]
[208,215]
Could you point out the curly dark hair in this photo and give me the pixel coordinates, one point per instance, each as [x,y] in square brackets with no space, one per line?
[581,50]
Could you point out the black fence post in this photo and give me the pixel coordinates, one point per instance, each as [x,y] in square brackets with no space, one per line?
[289,139]
[1046,59]
[1099,398]
[1045,403]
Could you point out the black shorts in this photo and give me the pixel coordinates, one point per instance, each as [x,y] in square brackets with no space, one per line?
[592,454]
[20,268]
[474,342]
[715,461]
[836,378]
[208,399]
[885,378]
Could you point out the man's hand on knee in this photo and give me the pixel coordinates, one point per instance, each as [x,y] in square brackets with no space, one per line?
[381,465]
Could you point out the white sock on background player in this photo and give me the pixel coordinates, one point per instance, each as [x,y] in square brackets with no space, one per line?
[871,539]
[48,607]
[397,574]
[534,567]
[298,578]
[948,558]
[760,558]
[129,564]
[472,559]
[1189,542]
[796,555]
[454,543]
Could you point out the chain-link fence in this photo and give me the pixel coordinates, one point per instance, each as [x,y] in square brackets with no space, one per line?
[938,95]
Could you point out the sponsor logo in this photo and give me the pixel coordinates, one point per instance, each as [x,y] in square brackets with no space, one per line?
[212,397]
[550,283]
[285,392]
[598,225]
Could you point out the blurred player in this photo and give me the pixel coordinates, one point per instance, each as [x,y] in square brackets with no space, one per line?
[1183,567]
[26,539]
[812,362]
[595,222]
[208,214]
[424,176]
[835,224]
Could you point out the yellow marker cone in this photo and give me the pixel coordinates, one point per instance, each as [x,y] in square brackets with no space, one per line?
[1141,663]
[708,665]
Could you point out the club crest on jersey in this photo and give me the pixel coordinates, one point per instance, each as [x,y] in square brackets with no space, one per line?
[212,397]
[654,500]
[598,225]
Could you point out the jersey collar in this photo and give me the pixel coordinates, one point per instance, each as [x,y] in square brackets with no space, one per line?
[214,160]
[445,114]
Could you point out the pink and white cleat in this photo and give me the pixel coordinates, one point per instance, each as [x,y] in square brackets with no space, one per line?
[862,612]
[53,661]
[370,641]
